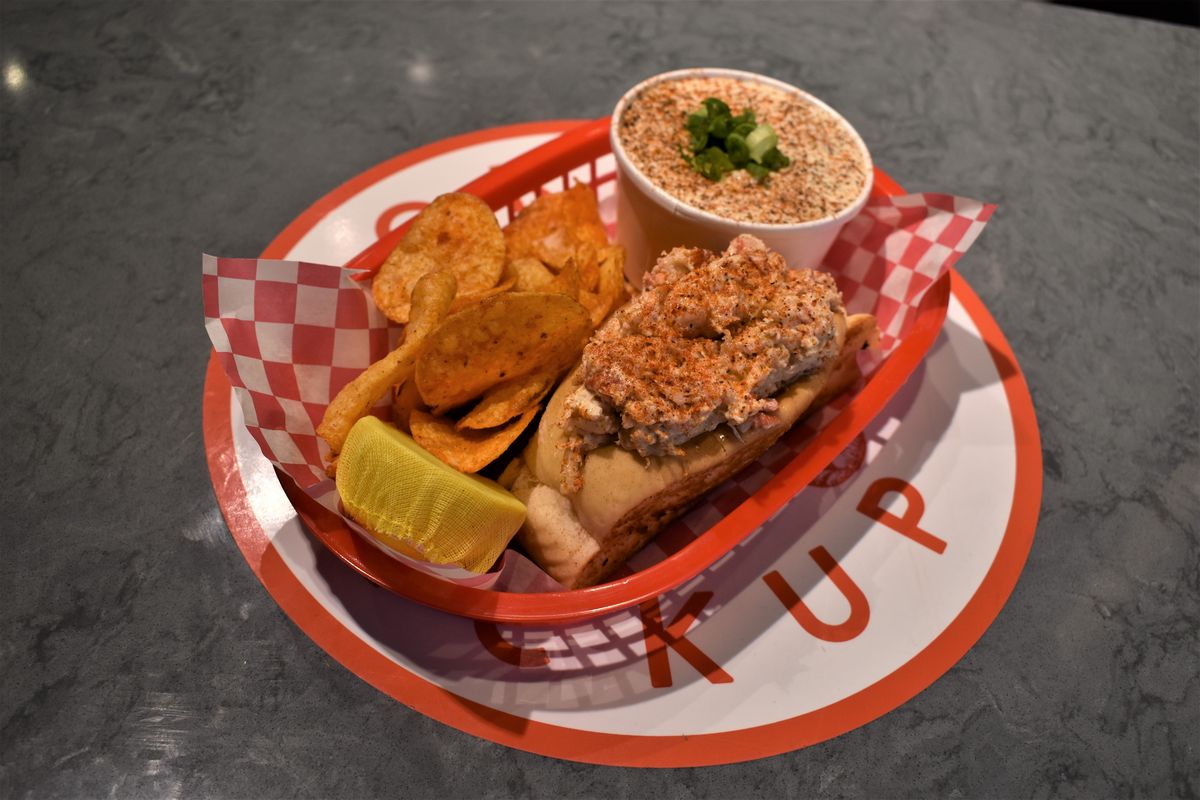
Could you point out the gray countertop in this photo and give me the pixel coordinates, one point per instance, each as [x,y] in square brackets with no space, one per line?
[141,656]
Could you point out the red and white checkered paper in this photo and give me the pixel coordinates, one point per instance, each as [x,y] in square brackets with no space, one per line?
[290,334]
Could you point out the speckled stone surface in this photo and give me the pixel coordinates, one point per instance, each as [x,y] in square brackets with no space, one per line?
[141,657]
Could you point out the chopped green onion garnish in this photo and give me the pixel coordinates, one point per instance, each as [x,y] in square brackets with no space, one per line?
[738,150]
[760,140]
[721,143]
[774,160]
[758,171]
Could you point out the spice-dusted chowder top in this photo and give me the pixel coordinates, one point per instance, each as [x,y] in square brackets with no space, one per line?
[826,169]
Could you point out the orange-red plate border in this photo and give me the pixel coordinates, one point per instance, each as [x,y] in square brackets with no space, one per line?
[617,749]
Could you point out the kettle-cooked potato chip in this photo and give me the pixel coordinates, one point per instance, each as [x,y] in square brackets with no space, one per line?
[407,400]
[501,338]
[565,282]
[558,226]
[612,285]
[506,400]
[457,232]
[470,450]
[431,300]
[612,277]
[529,274]
[464,300]
[393,285]
[587,258]
[595,306]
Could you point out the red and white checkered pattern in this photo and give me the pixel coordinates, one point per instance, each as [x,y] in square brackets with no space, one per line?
[290,334]
[887,256]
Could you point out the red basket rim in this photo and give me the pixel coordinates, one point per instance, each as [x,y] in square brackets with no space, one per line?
[551,160]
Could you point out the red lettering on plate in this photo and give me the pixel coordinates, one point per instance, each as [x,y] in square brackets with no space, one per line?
[489,636]
[658,639]
[386,220]
[860,609]
[843,467]
[909,524]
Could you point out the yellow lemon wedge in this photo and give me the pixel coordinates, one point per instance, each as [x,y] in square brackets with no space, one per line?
[409,500]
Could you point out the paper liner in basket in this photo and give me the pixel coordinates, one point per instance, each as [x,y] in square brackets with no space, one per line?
[290,334]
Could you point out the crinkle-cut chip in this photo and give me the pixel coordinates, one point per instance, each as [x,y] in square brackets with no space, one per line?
[557,226]
[457,232]
[407,400]
[529,274]
[507,400]
[431,302]
[501,338]
[470,450]
[465,300]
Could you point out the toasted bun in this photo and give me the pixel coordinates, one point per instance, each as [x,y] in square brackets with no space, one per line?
[626,499]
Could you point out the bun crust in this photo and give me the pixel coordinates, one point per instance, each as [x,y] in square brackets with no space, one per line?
[627,500]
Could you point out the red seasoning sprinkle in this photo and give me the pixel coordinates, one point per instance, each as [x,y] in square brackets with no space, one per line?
[827,172]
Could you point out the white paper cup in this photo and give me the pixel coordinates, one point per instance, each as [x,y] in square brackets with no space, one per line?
[650,221]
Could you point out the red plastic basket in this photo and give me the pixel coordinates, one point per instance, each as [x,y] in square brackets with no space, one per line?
[570,157]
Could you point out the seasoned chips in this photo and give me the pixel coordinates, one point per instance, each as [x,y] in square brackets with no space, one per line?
[504,337]
[559,226]
[493,316]
[470,450]
[456,232]
[431,300]
[611,289]
[529,274]
[408,399]
[612,278]
[464,300]
[565,282]
[506,400]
